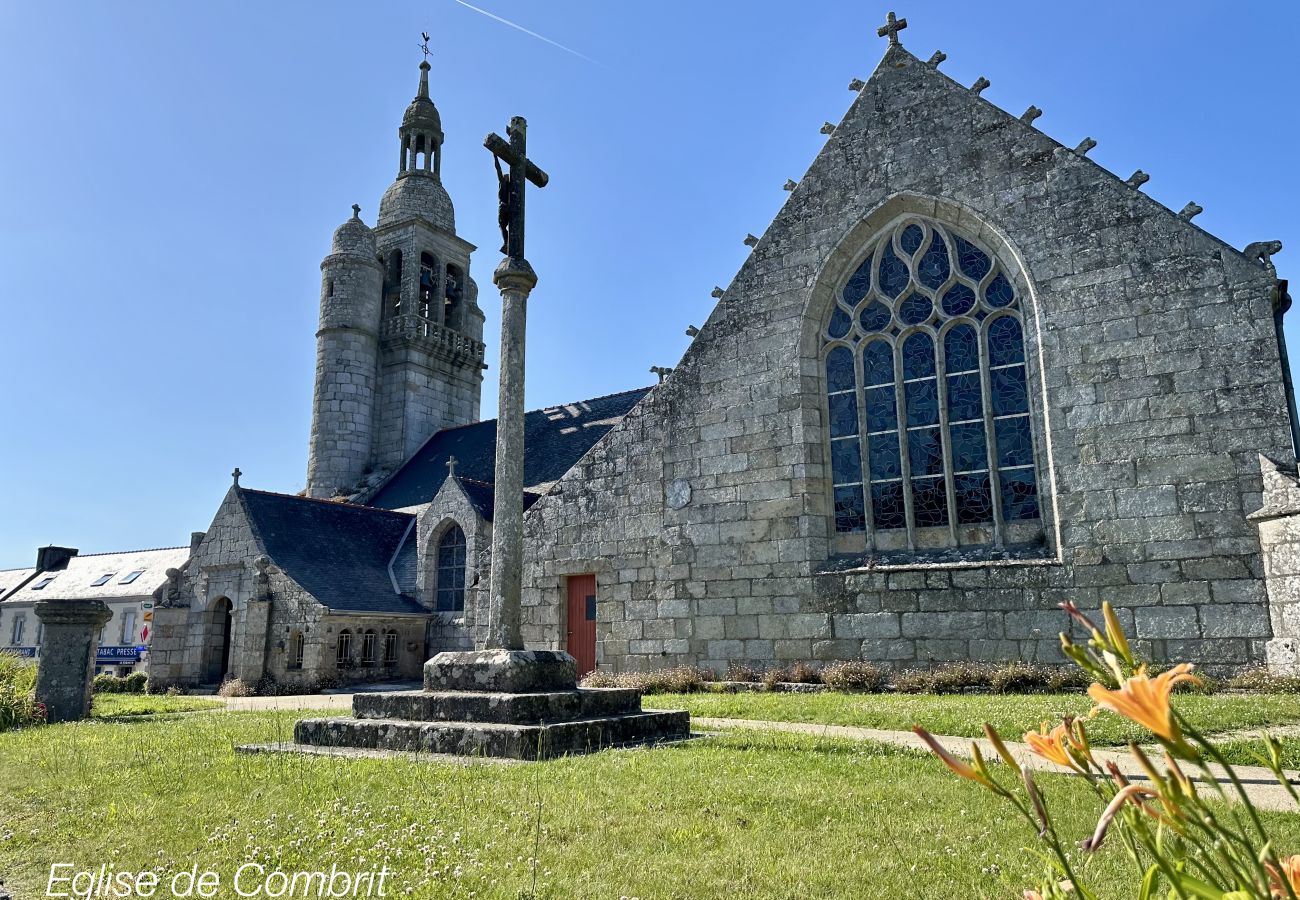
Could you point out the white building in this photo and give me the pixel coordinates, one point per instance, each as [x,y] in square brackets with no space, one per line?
[129,583]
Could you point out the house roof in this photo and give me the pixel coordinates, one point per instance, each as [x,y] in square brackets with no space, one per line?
[12,578]
[77,580]
[339,552]
[554,439]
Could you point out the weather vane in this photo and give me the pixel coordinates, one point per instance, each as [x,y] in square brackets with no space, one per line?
[425,44]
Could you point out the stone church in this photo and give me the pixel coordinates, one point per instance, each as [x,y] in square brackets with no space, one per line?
[966,374]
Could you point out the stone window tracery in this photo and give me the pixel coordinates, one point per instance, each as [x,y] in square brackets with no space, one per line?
[451,570]
[930,437]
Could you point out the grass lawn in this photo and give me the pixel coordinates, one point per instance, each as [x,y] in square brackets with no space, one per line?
[965,714]
[111,706]
[745,815]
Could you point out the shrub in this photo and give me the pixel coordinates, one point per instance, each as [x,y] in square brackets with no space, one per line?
[853,676]
[677,680]
[18,706]
[1019,678]
[107,684]
[1062,678]
[738,672]
[774,676]
[235,687]
[804,673]
[136,683]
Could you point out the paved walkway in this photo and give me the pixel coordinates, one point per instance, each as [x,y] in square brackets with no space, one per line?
[1259,782]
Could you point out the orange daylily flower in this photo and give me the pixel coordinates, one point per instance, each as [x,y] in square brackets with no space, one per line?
[1288,877]
[1050,745]
[1145,700]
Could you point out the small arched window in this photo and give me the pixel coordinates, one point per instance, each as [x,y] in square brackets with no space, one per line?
[390,648]
[344,657]
[296,648]
[369,641]
[930,443]
[455,291]
[393,285]
[428,283]
[451,570]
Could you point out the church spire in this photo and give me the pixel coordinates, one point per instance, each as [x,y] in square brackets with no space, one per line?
[423,93]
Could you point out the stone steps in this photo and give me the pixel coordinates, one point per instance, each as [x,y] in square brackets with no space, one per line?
[483,706]
[496,739]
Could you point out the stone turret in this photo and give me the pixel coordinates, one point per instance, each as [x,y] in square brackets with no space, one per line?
[399,353]
[347,359]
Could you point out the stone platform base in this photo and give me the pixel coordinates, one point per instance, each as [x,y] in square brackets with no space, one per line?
[504,704]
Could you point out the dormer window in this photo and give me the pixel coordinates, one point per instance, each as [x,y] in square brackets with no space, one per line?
[131,576]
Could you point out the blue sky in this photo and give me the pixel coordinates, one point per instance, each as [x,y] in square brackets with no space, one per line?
[172,173]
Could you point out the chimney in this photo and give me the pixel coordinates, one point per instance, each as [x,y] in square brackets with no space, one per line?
[54,559]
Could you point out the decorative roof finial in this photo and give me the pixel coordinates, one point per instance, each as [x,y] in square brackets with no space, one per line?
[1190,211]
[235,475]
[893,25]
[938,57]
[356,210]
[424,45]
[1138,178]
[452,462]
[980,84]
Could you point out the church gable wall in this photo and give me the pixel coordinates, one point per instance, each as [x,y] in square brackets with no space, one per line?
[466,629]
[1155,381]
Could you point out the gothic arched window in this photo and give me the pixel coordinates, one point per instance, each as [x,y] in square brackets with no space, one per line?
[297,646]
[451,570]
[428,285]
[927,396]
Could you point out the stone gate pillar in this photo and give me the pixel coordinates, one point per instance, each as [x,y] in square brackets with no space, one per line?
[67,661]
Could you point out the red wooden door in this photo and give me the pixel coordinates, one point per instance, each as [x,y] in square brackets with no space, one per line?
[581,637]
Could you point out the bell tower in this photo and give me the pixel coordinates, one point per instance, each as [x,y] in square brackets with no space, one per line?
[399,352]
[431,330]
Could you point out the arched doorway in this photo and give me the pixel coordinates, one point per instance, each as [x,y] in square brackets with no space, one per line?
[218,629]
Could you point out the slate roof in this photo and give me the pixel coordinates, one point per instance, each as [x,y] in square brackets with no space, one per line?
[338,552]
[11,578]
[482,496]
[77,581]
[554,439]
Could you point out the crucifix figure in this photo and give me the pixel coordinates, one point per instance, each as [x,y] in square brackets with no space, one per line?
[892,27]
[516,279]
[510,187]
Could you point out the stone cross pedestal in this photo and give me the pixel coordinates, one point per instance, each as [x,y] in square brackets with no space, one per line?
[67,662]
[503,701]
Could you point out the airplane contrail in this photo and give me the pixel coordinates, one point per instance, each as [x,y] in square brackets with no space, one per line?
[526,31]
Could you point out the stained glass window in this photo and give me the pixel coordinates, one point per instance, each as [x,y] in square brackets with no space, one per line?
[927,391]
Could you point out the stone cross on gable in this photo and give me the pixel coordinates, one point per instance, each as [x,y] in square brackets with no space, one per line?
[452,462]
[892,27]
[235,475]
[510,214]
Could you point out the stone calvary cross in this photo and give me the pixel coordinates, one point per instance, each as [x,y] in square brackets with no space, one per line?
[516,279]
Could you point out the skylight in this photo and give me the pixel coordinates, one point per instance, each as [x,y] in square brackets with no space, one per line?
[102,579]
[44,582]
[131,576]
